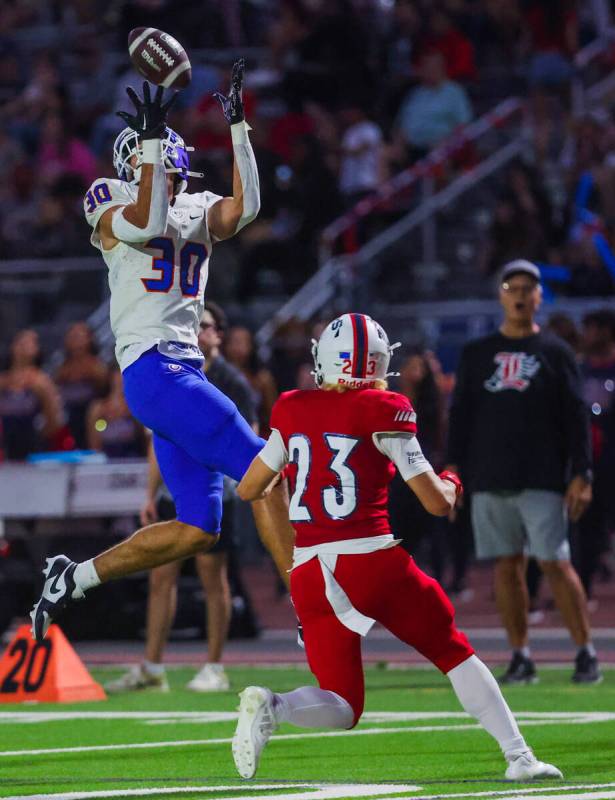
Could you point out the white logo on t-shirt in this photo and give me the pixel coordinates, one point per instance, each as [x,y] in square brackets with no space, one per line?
[514,371]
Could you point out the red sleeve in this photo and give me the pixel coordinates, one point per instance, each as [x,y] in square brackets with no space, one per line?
[391,412]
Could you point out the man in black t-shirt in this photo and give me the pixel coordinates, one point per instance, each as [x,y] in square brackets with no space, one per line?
[212,566]
[519,434]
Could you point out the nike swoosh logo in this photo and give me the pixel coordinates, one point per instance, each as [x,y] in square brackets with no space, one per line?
[196,217]
[58,586]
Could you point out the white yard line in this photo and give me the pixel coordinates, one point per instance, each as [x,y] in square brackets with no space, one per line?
[146,792]
[207,717]
[338,791]
[227,740]
[579,719]
[534,793]
[314,792]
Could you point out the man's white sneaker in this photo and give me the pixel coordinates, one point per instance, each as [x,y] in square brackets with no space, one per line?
[138,678]
[525,766]
[211,678]
[255,725]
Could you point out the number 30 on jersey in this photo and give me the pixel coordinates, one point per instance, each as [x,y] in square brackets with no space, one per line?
[339,501]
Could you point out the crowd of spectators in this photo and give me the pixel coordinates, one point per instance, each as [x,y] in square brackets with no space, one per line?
[341,94]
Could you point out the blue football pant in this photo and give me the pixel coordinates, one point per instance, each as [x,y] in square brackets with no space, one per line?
[199,434]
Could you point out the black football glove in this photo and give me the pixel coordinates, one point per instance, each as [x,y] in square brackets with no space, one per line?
[151,117]
[232,106]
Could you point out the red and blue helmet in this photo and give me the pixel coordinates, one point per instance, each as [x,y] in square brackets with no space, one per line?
[353,351]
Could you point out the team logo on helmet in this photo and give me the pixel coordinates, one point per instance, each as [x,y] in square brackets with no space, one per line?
[174,155]
[352,351]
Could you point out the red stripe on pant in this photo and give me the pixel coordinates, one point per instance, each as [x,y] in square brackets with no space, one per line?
[387,586]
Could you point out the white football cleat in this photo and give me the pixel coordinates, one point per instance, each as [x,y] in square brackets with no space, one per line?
[524,766]
[255,725]
[138,678]
[211,678]
[59,591]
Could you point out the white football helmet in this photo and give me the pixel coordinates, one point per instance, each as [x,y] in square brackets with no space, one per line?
[174,154]
[352,351]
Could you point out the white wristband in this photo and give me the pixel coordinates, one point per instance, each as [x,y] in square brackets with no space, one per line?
[151,150]
[239,132]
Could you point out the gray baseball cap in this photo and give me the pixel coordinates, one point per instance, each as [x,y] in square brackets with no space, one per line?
[520,267]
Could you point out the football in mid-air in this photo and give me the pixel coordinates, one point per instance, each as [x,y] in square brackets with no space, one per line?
[159,57]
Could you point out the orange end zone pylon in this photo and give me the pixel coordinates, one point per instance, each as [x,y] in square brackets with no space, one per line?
[45,672]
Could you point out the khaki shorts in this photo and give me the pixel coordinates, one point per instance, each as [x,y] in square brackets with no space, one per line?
[533,521]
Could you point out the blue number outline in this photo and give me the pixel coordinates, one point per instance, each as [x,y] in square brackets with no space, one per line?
[93,199]
[188,251]
[165,264]
[291,460]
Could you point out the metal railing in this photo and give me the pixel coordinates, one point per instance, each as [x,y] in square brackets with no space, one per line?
[421,172]
[335,277]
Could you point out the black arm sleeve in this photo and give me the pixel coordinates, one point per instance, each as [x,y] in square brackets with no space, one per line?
[460,413]
[575,415]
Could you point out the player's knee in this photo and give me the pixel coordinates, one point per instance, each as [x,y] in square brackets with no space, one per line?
[197,539]
[356,703]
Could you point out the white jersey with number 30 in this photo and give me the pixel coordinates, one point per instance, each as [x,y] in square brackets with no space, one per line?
[157,287]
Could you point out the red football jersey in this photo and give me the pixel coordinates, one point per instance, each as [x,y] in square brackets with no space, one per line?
[339,479]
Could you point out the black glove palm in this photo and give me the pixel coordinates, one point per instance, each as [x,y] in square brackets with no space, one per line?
[151,117]
[232,105]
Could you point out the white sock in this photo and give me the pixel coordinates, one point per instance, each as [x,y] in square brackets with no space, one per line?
[310,707]
[153,668]
[480,695]
[85,575]
[591,650]
[524,651]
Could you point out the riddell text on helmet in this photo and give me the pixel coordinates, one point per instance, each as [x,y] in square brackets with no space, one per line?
[355,383]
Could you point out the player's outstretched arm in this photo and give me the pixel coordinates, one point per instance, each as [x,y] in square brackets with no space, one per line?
[437,495]
[229,215]
[147,217]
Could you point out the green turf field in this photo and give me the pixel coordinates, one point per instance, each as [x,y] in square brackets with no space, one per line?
[412,742]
